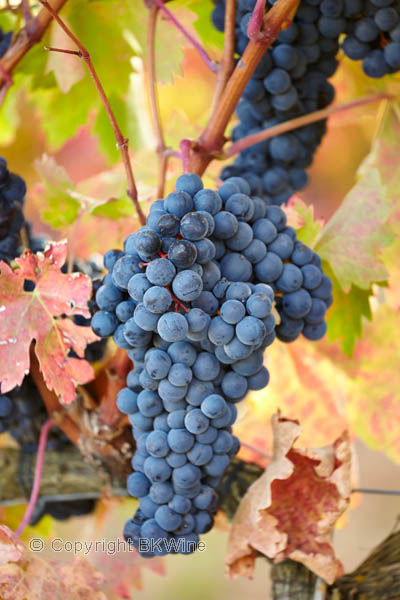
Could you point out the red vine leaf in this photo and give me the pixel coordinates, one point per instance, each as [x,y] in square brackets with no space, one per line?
[38,579]
[290,511]
[11,547]
[40,315]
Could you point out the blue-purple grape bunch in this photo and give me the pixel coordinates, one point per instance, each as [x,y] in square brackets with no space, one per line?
[291,80]
[190,297]
[373,36]
[12,199]
[5,41]
[22,415]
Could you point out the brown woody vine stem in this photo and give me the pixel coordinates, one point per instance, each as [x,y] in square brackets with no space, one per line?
[186,155]
[151,81]
[122,142]
[212,139]
[26,10]
[318,115]
[227,62]
[27,37]
[7,83]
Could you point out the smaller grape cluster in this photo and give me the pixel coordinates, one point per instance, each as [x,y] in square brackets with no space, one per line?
[291,80]
[12,196]
[190,297]
[373,36]
[5,41]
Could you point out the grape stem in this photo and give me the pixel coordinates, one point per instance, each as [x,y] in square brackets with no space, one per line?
[255,26]
[122,142]
[256,450]
[228,61]
[212,139]
[186,147]
[178,303]
[265,134]
[26,10]
[151,82]
[38,475]
[63,51]
[211,64]
[8,82]
[376,491]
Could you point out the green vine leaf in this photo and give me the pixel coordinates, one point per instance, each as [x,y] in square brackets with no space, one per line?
[9,119]
[301,217]
[61,208]
[345,316]
[94,24]
[356,234]
[68,69]
[353,240]
[102,195]
[168,63]
[7,20]
[115,208]
[104,130]
[207,33]
[62,114]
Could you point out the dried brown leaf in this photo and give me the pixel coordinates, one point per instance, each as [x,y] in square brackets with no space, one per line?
[291,510]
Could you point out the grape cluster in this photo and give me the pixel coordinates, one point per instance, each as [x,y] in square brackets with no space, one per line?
[374,36]
[61,510]
[23,413]
[190,298]
[5,41]
[12,196]
[291,80]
